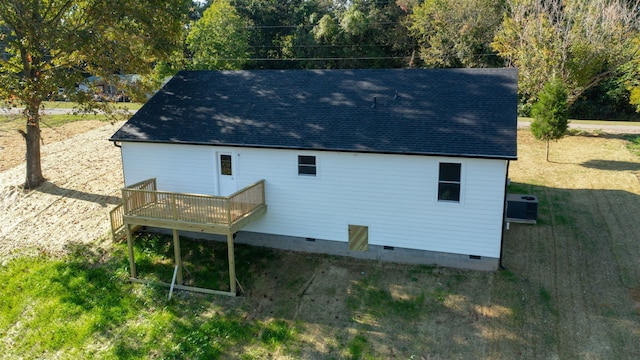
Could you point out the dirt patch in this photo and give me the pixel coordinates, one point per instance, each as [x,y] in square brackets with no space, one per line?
[84,175]
[12,146]
[324,297]
[635,295]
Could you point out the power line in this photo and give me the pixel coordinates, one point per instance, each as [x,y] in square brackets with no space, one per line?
[307,59]
[251,27]
[305,46]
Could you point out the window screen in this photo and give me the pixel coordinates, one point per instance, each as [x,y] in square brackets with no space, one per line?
[306,165]
[449,182]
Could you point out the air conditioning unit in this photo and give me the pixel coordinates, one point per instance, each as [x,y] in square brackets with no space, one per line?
[522,208]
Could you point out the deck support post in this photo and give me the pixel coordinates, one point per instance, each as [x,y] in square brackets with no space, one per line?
[132,262]
[144,206]
[176,251]
[232,264]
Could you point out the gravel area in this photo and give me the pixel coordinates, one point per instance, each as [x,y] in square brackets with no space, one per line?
[84,177]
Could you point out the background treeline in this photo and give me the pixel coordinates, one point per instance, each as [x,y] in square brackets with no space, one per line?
[591,45]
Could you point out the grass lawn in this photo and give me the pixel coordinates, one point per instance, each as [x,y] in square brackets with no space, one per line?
[593,122]
[570,290]
[16,121]
[71,105]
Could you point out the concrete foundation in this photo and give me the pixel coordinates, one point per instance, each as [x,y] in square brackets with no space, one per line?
[339,248]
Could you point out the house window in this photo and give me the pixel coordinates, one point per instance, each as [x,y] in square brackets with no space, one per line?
[307,165]
[449,182]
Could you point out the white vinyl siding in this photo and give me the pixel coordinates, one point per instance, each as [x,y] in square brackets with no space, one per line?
[395,196]
[183,168]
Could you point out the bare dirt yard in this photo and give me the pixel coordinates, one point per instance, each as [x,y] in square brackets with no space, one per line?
[570,290]
[84,176]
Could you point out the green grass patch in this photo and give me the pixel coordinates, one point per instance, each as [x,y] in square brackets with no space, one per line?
[508,275]
[59,304]
[439,294]
[593,122]
[422,269]
[519,188]
[57,120]
[276,333]
[547,300]
[357,347]
[634,144]
[74,105]
[205,263]
[83,307]
[370,299]
[51,121]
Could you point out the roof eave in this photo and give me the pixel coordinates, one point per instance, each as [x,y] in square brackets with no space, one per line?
[361,151]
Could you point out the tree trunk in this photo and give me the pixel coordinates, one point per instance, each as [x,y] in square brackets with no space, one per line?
[547,158]
[32,139]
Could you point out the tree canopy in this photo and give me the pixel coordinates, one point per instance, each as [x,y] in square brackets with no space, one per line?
[455,33]
[219,40]
[582,42]
[53,44]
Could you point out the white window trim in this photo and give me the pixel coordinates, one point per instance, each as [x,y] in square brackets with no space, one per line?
[463,181]
[307,176]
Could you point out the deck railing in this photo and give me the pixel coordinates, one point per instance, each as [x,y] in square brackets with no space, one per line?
[117,222]
[246,200]
[139,195]
[142,199]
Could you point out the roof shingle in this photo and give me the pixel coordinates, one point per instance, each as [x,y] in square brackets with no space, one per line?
[452,112]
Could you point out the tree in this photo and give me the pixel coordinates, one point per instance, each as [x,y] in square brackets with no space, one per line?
[361,34]
[219,40]
[274,23]
[550,113]
[288,34]
[630,77]
[583,42]
[53,44]
[454,33]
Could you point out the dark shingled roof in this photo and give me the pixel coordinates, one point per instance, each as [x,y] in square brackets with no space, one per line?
[452,112]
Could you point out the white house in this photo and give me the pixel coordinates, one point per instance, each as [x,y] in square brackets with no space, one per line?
[405,165]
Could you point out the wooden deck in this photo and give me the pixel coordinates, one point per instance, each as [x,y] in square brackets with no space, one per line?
[143,205]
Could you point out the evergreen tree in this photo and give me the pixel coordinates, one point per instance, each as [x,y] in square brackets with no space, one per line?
[550,113]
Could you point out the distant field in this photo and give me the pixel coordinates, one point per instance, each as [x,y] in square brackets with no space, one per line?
[9,121]
[593,122]
[71,105]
